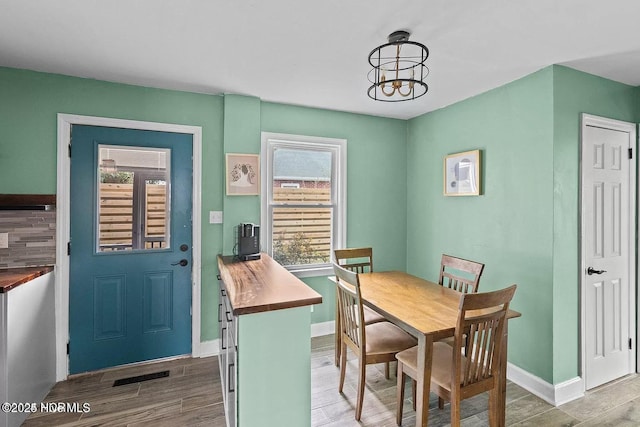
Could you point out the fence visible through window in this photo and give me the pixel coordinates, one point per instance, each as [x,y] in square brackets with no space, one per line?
[133,199]
[116,217]
[301,233]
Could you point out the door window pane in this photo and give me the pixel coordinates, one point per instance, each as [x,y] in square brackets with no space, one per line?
[155,213]
[133,200]
[116,211]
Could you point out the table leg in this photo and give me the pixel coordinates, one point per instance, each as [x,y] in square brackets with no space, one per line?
[338,333]
[425,355]
[501,408]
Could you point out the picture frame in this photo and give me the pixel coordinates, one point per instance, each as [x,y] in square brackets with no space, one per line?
[462,174]
[242,174]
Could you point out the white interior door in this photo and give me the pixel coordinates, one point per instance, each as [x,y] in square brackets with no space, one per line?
[608,251]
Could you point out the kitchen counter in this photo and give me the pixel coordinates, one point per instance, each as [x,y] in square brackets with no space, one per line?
[27,338]
[265,333]
[263,285]
[13,277]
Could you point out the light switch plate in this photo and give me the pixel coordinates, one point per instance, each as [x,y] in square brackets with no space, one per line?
[215,217]
[4,240]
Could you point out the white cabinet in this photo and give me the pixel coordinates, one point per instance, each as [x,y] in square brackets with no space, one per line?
[27,345]
[228,347]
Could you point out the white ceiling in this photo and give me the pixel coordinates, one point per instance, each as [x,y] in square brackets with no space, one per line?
[314,53]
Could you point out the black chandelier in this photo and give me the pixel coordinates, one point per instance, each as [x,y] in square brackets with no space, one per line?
[398,71]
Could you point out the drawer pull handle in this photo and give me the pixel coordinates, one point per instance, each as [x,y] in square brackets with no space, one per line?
[231,379]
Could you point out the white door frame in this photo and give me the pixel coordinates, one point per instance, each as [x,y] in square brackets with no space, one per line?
[63,225]
[606,123]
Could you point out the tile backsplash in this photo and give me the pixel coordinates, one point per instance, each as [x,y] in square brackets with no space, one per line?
[31,238]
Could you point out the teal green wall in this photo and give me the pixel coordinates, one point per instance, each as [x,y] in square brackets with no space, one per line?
[29,105]
[574,93]
[510,226]
[636,95]
[241,135]
[282,362]
[376,182]
[525,225]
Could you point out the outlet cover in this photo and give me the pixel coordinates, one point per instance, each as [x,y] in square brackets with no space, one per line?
[215,217]
[4,240]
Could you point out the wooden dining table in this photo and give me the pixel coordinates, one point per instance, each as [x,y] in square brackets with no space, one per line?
[429,312]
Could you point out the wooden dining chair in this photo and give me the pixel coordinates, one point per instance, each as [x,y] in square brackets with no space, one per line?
[375,343]
[455,374]
[460,274]
[358,260]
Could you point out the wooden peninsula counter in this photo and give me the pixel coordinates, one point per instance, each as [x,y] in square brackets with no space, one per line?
[265,343]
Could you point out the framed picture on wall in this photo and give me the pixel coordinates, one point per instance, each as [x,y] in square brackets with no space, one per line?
[462,174]
[242,174]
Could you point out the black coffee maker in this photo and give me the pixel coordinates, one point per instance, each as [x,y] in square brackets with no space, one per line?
[248,241]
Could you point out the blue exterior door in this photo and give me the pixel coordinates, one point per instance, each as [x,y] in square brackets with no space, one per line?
[130,259]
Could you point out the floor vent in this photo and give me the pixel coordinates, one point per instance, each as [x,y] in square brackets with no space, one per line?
[140,378]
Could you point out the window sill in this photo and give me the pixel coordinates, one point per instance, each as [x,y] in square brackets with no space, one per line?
[311,272]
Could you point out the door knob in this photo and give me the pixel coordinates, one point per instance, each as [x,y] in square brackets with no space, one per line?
[591,271]
[182,263]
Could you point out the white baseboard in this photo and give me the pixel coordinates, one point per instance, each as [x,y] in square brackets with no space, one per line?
[209,348]
[212,348]
[324,328]
[569,390]
[556,395]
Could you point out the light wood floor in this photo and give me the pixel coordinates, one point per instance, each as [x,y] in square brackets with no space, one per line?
[614,404]
[191,396]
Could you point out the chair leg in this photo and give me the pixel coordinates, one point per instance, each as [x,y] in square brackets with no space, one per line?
[338,336]
[455,412]
[440,403]
[493,406]
[386,370]
[399,394]
[414,387]
[343,365]
[362,368]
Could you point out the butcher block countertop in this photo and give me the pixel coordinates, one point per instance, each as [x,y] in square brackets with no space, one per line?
[263,285]
[13,277]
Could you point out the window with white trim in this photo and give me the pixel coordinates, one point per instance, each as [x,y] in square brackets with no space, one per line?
[303,200]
